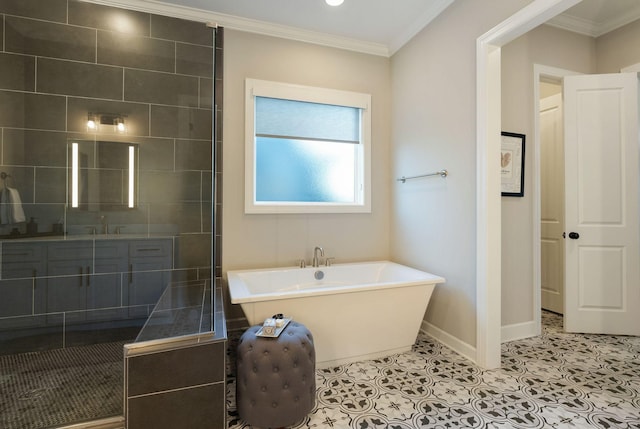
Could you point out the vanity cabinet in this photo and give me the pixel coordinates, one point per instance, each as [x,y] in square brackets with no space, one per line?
[150,262]
[69,269]
[22,291]
[107,282]
[87,279]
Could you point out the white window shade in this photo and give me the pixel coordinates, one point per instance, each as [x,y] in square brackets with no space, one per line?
[305,120]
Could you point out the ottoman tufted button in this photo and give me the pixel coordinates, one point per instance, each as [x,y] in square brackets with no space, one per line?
[286,394]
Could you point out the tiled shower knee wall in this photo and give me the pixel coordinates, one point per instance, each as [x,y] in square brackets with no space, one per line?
[61,59]
[177,388]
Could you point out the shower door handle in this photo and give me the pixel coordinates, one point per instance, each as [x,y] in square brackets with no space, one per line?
[88,276]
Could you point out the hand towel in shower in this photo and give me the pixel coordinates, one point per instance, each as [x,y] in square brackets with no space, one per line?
[11,207]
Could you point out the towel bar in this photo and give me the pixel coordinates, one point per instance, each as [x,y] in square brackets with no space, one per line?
[442,173]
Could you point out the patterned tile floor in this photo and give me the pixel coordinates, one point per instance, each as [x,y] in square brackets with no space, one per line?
[556,380]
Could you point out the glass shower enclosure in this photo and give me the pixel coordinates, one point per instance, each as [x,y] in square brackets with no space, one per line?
[106,195]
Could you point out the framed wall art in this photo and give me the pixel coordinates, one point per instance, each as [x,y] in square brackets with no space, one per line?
[512,164]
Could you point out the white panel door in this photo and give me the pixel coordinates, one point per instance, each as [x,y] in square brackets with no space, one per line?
[552,203]
[601,204]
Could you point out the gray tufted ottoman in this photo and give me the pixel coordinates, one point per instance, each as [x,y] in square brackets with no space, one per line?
[276,384]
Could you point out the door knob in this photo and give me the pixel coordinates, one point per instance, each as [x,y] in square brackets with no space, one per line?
[574,235]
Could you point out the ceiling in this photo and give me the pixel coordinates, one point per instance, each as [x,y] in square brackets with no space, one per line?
[378,27]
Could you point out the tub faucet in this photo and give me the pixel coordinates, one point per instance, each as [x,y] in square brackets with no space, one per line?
[316,260]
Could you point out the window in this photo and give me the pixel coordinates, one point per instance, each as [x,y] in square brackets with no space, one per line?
[307,149]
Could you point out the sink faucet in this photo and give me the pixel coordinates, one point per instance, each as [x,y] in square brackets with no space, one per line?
[105,225]
[316,260]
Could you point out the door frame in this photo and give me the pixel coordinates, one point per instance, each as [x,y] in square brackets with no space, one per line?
[488,201]
[539,71]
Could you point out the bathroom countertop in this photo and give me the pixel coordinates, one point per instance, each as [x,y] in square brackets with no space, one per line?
[78,237]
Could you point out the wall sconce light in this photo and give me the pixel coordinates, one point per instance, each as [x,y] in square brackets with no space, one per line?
[120,127]
[334,2]
[92,125]
[113,120]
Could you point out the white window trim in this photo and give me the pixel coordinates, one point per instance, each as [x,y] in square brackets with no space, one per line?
[261,88]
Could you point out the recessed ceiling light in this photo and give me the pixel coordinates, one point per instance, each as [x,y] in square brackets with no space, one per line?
[334,2]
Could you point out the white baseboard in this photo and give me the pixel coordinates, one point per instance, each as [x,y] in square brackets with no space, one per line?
[518,331]
[448,340]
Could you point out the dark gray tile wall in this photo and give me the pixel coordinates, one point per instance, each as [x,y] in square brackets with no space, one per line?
[217,169]
[136,51]
[183,123]
[164,27]
[25,147]
[194,60]
[17,72]
[51,10]
[80,79]
[177,388]
[32,111]
[175,369]
[34,37]
[108,18]
[161,88]
[193,408]
[61,59]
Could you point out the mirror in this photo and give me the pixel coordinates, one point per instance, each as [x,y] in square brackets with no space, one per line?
[102,175]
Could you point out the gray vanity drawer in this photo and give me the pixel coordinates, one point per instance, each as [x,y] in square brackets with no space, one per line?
[23,252]
[111,249]
[149,248]
[70,250]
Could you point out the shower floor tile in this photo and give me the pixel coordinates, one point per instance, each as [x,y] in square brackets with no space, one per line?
[556,380]
[58,387]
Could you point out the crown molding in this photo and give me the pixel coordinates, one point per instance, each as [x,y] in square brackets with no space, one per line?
[249,25]
[591,28]
[575,25]
[436,8]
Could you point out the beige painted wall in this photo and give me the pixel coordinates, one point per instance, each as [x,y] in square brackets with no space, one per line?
[434,126]
[552,47]
[557,48]
[271,240]
[618,49]
[427,223]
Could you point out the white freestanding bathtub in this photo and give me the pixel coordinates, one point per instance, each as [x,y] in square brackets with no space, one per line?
[355,311]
